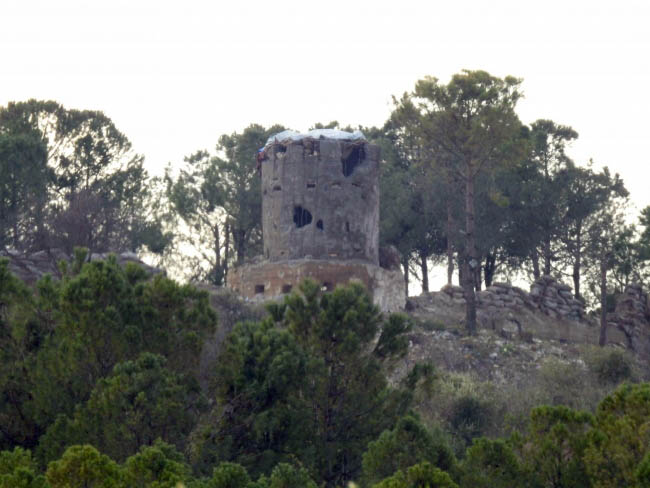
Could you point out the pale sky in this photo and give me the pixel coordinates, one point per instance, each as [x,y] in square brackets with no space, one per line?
[174,76]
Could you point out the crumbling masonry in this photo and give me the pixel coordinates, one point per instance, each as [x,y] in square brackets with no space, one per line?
[320,218]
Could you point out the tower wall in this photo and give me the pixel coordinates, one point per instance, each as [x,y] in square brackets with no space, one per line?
[320,200]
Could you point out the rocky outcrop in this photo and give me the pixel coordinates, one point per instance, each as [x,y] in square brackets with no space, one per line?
[30,267]
[548,312]
[546,295]
[632,318]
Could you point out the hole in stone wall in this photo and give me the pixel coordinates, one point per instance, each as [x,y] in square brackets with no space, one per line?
[259,289]
[301,216]
[327,286]
[277,188]
[280,148]
[286,288]
[319,224]
[351,156]
[347,227]
[311,147]
[311,185]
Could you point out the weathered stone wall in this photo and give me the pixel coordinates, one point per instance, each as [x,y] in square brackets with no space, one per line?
[266,280]
[546,295]
[320,200]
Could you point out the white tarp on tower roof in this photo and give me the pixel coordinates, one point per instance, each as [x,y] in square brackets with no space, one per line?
[315,134]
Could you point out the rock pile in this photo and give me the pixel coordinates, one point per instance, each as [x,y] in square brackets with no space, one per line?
[632,314]
[30,267]
[546,295]
[556,299]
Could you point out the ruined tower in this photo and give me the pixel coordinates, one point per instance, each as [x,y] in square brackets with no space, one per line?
[320,200]
[320,219]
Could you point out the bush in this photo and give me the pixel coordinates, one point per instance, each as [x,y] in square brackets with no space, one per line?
[422,475]
[407,444]
[470,417]
[564,383]
[610,366]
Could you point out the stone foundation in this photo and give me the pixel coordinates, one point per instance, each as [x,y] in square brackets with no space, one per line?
[266,281]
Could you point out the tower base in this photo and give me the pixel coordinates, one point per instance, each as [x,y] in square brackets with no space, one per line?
[267,281]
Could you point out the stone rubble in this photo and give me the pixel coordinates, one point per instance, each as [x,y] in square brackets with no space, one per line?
[547,295]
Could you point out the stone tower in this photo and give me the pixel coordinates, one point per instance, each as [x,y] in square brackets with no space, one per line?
[320,219]
[320,200]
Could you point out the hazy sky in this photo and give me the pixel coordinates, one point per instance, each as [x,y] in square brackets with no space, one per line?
[173,76]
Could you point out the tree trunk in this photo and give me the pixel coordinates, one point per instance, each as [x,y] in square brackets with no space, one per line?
[535,258]
[217,257]
[546,250]
[469,262]
[226,252]
[239,236]
[425,273]
[577,262]
[490,267]
[405,265]
[602,340]
[450,246]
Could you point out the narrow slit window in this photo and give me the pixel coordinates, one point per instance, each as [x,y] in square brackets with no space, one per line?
[259,289]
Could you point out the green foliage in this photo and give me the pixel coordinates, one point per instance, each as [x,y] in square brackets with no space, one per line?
[611,366]
[287,476]
[218,198]
[229,475]
[491,464]
[23,185]
[620,439]
[309,386]
[408,443]
[569,384]
[21,334]
[470,417]
[106,314]
[157,466]
[18,470]
[422,475]
[85,185]
[258,375]
[138,403]
[554,448]
[83,467]
[643,472]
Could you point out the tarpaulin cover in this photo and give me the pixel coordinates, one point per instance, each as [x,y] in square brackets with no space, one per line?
[315,134]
